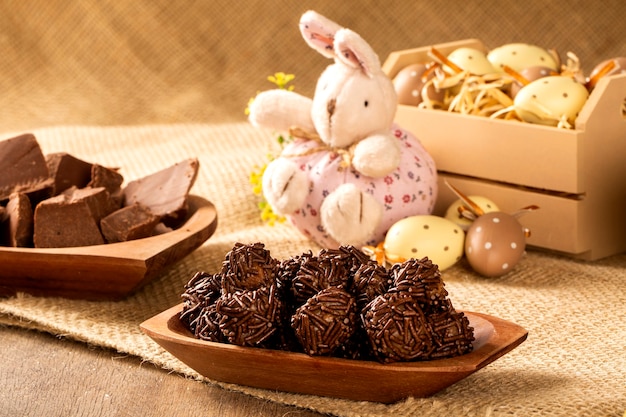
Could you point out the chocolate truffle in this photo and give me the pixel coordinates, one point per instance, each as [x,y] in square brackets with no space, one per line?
[199,313]
[370,281]
[248,267]
[326,321]
[249,317]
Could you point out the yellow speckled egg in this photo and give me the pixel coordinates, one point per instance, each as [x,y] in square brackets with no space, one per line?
[418,236]
[452,213]
[471,60]
[521,55]
[548,99]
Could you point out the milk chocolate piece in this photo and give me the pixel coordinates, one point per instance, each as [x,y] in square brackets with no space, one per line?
[164,192]
[71,219]
[128,223]
[18,230]
[23,167]
[67,171]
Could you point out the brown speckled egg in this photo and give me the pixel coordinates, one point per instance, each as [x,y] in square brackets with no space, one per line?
[531,74]
[410,81]
[494,244]
[619,67]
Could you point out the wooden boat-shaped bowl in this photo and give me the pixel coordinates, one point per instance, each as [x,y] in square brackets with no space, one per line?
[104,272]
[332,377]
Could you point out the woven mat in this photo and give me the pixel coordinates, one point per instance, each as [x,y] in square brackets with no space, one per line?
[573,361]
[147,83]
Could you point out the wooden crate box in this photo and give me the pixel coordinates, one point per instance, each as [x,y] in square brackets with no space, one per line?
[577,176]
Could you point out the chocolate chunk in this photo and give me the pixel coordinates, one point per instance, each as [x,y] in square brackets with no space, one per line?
[18,230]
[164,192]
[67,171]
[71,219]
[23,167]
[128,223]
[110,179]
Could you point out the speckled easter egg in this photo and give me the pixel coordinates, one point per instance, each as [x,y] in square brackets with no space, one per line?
[549,99]
[471,60]
[453,214]
[494,244]
[410,81]
[521,55]
[418,236]
[530,74]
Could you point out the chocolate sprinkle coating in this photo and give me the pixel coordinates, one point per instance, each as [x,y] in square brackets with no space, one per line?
[326,321]
[249,317]
[370,281]
[336,303]
[248,267]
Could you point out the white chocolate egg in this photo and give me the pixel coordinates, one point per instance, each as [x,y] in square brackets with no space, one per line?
[410,81]
[453,214]
[494,244]
[471,60]
[521,55]
[550,99]
[530,74]
[425,235]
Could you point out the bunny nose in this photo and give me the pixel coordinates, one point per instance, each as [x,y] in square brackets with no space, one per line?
[330,107]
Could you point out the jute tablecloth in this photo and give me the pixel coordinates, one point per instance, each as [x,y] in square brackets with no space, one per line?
[573,361]
[152,82]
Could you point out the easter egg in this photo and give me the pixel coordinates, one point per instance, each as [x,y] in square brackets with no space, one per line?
[549,100]
[494,244]
[471,60]
[530,74]
[521,55]
[410,81]
[453,214]
[434,237]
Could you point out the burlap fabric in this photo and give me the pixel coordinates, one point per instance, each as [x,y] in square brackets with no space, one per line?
[142,85]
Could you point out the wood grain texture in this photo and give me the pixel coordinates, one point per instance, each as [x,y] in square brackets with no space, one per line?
[42,375]
[327,376]
[104,272]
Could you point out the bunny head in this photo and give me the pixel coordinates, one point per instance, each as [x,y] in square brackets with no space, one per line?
[353,98]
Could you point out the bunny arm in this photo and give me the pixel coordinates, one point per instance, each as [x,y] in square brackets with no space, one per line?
[377,155]
[285,186]
[281,110]
[350,216]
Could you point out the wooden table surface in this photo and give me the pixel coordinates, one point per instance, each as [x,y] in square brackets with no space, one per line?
[42,375]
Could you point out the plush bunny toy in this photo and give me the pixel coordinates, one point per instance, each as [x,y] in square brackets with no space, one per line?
[350,172]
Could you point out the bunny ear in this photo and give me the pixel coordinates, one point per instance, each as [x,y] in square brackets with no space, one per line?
[319,32]
[352,50]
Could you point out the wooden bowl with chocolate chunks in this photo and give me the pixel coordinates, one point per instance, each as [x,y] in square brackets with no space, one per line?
[70,228]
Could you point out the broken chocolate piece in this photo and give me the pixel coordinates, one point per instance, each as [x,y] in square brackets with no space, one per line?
[71,218]
[164,192]
[67,171]
[128,223]
[18,230]
[23,167]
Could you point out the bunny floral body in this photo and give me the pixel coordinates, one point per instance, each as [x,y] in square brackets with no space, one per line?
[350,172]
